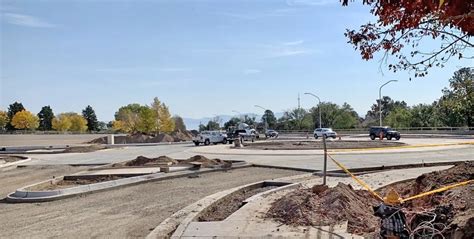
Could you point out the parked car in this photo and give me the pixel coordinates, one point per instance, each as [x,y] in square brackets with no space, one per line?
[388,133]
[324,132]
[208,137]
[270,133]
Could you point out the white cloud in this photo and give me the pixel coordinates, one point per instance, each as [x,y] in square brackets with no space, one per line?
[251,71]
[26,20]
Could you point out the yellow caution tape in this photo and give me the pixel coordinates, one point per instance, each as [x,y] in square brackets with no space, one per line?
[362,183]
[437,190]
[400,200]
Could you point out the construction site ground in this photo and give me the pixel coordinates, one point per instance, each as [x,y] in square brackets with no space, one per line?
[253,219]
[127,212]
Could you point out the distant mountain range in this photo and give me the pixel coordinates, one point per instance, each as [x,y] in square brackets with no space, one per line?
[192,123]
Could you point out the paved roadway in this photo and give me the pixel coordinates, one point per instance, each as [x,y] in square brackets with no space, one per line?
[315,162]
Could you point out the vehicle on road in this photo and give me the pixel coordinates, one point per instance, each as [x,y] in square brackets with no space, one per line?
[242,135]
[208,137]
[386,131]
[324,132]
[270,133]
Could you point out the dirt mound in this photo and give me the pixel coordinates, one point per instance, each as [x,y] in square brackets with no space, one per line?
[83,149]
[328,206]
[142,161]
[182,136]
[144,138]
[208,163]
[453,208]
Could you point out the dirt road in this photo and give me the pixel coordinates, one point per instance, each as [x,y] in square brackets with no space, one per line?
[128,212]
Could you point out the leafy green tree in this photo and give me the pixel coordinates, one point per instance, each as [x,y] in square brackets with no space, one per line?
[399,118]
[147,120]
[89,114]
[179,123]
[335,116]
[128,117]
[102,126]
[388,105]
[296,119]
[234,121]
[12,110]
[460,96]
[269,118]
[45,116]
[425,115]
[213,125]
[250,120]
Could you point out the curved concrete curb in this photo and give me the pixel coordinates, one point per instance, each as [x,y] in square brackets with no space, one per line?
[16,162]
[22,195]
[177,223]
[226,150]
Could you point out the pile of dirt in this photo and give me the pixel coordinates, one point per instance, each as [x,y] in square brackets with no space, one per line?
[143,161]
[208,163]
[327,206]
[453,208]
[139,138]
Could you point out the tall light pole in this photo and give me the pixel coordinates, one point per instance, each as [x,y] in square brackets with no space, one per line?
[264,119]
[380,100]
[319,106]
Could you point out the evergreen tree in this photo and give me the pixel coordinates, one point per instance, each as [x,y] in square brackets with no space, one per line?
[89,114]
[12,110]
[45,116]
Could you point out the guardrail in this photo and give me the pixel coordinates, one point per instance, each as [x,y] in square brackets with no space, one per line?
[411,130]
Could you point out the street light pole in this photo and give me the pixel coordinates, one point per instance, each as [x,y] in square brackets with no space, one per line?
[264,119]
[380,100]
[319,106]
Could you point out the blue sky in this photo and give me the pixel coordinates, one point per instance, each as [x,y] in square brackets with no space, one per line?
[201,57]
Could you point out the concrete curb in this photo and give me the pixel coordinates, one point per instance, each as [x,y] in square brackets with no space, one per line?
[22,195]
[15,163]
[311,152]
[177,223]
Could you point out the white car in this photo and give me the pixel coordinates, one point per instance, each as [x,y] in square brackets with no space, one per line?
[324,132]
[208,137]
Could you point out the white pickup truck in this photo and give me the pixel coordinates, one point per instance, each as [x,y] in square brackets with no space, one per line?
[208,137]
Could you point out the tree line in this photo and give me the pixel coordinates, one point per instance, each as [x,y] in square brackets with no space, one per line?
[455,108]
[132,118]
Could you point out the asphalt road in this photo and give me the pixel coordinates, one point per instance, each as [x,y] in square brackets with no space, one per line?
[314,162]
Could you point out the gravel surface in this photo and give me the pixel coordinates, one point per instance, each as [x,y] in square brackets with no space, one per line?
[121,213]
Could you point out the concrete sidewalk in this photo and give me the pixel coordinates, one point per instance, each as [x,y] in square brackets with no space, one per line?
[250,221]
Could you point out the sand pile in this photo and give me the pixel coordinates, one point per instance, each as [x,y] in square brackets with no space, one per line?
[327,206]
[142,161]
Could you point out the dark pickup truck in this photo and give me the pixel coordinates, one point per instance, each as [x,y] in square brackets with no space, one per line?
[242,135]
